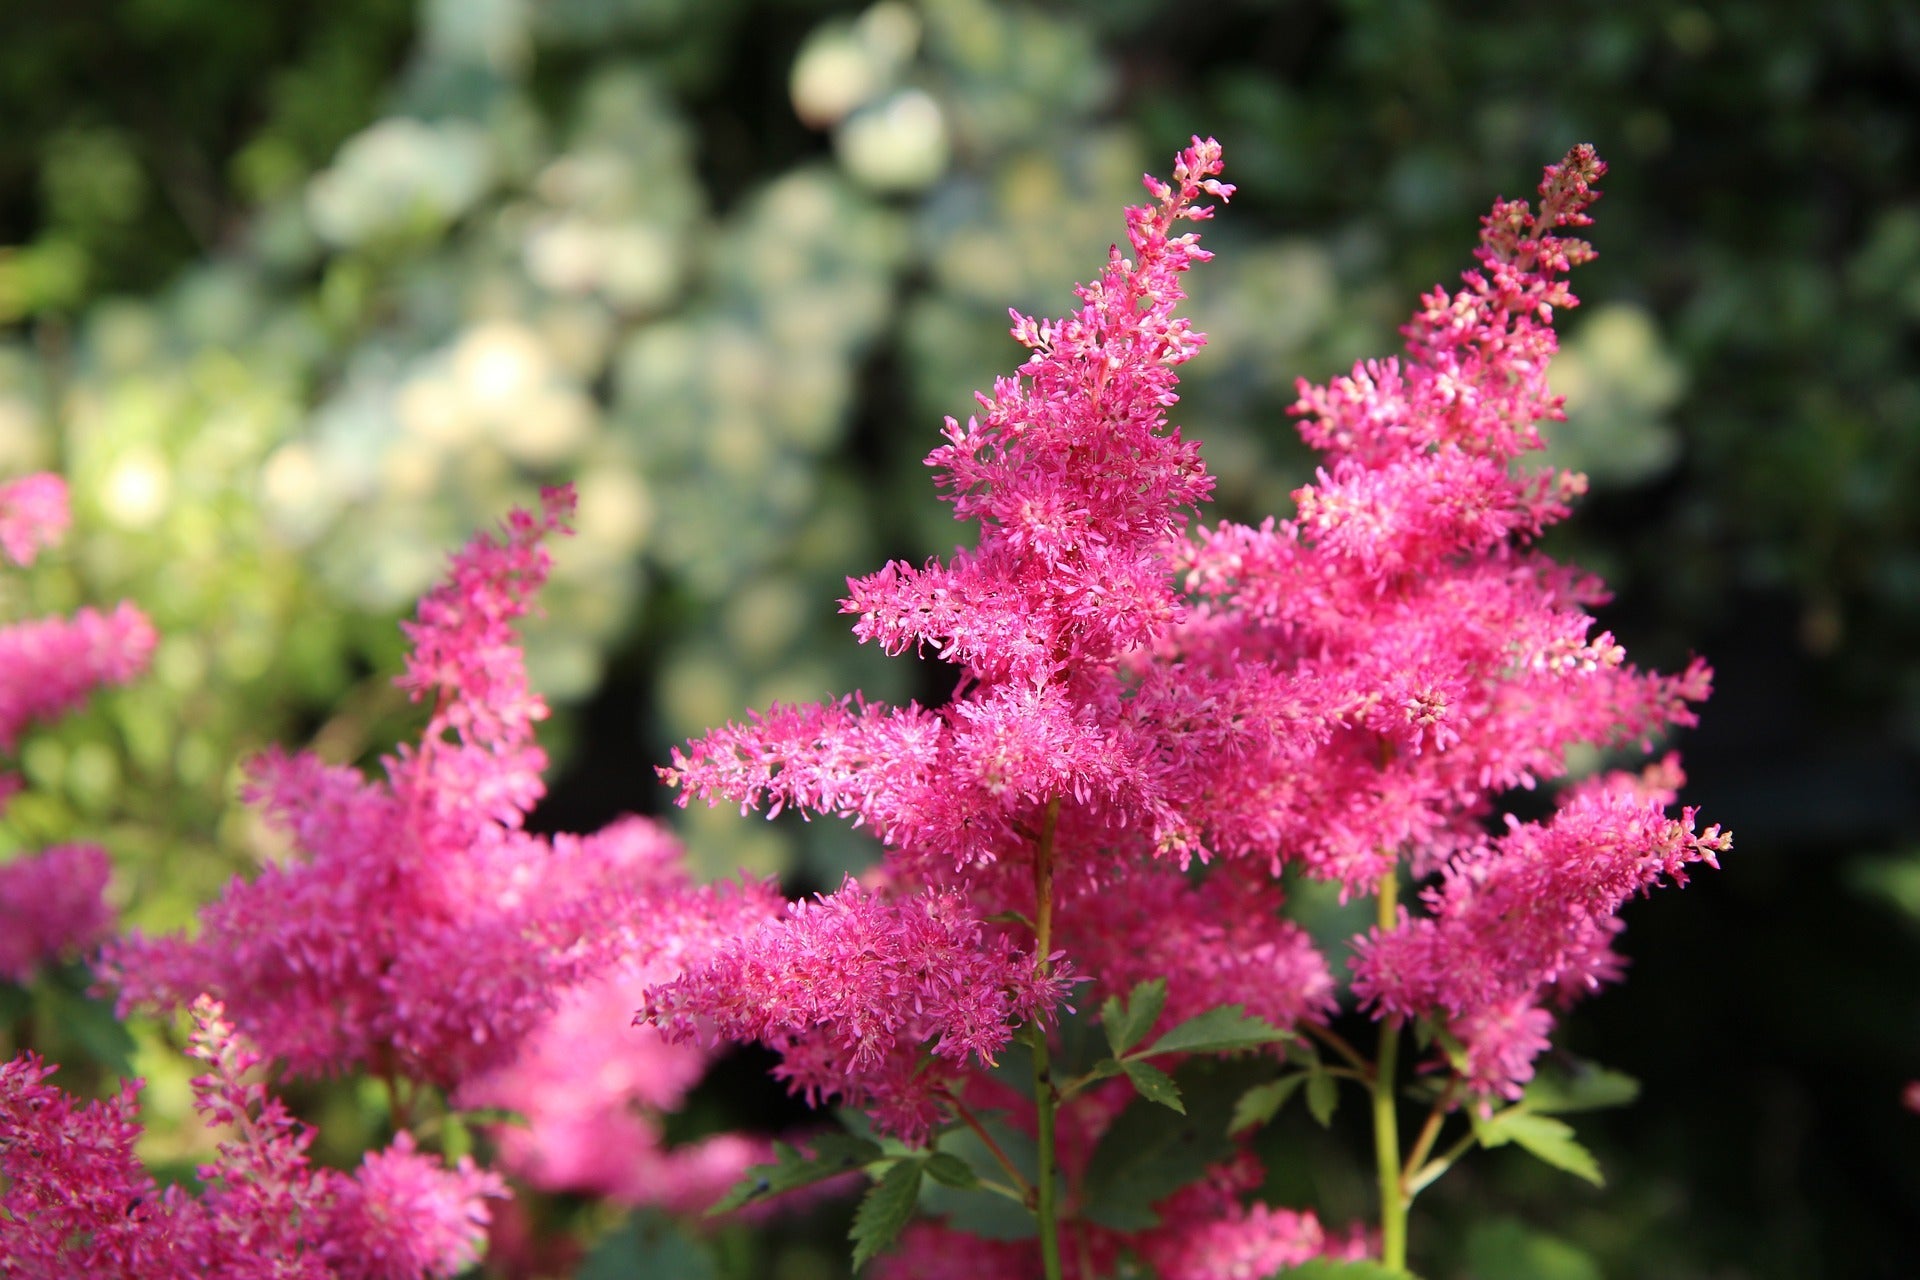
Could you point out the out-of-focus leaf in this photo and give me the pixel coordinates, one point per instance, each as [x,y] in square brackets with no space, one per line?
[1542,1136]
[1508,1250]
[1150,1152]
[1323,1096]
[1587,1087]
[950,1170]
[1262,1102]
[1325,1269]
[1220,1030]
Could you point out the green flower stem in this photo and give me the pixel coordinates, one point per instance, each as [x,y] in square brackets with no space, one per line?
[1431,1171]
[1045,1210]
[1386,1124]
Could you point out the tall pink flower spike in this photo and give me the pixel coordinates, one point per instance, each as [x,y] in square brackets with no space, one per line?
[1344,693]
[418,930]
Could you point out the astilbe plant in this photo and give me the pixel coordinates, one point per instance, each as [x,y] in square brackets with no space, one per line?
[418,932]
[75,1200]
[53,904]
[1152,723]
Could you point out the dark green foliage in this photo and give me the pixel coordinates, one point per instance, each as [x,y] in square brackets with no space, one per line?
[1152,1151]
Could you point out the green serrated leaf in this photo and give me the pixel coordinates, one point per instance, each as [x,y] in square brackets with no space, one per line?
[1323,1097]
[1262,1102]
[1154,1085]
[1126,1027]
[1218,1030]
[1544,1138]
[833,1154]
[885,1209]
[1585,1088]
[950,1170]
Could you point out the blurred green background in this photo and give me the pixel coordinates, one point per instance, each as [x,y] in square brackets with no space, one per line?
[299,294]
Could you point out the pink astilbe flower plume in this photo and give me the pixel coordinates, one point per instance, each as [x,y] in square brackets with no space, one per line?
[1153,723]
[591,1090]
[1081,490]
[851,986]
[1529,919]
[75,1201]
[49,665]
[33,515]
[52,904]
[418,928]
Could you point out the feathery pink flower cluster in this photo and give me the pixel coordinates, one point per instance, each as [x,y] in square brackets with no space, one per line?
[418,929]
[590,1089]
[52,664]
[1528,920]
[53,902]
[47,666]
[904,973]
[1081,490]
[1344,693]
[77,1201]
[33,515]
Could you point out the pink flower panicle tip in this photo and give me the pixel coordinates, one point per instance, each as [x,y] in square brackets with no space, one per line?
[33,516]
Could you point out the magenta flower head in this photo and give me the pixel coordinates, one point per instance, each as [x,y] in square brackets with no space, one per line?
[1345,692]
[48,666]
[52,904]
[590,1090]
[1081,490]
[76,1201]
[417,928]
[851,987]
[33,515]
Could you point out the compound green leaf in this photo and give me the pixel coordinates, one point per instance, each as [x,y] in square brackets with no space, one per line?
[1220,1030]
[885,1209]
